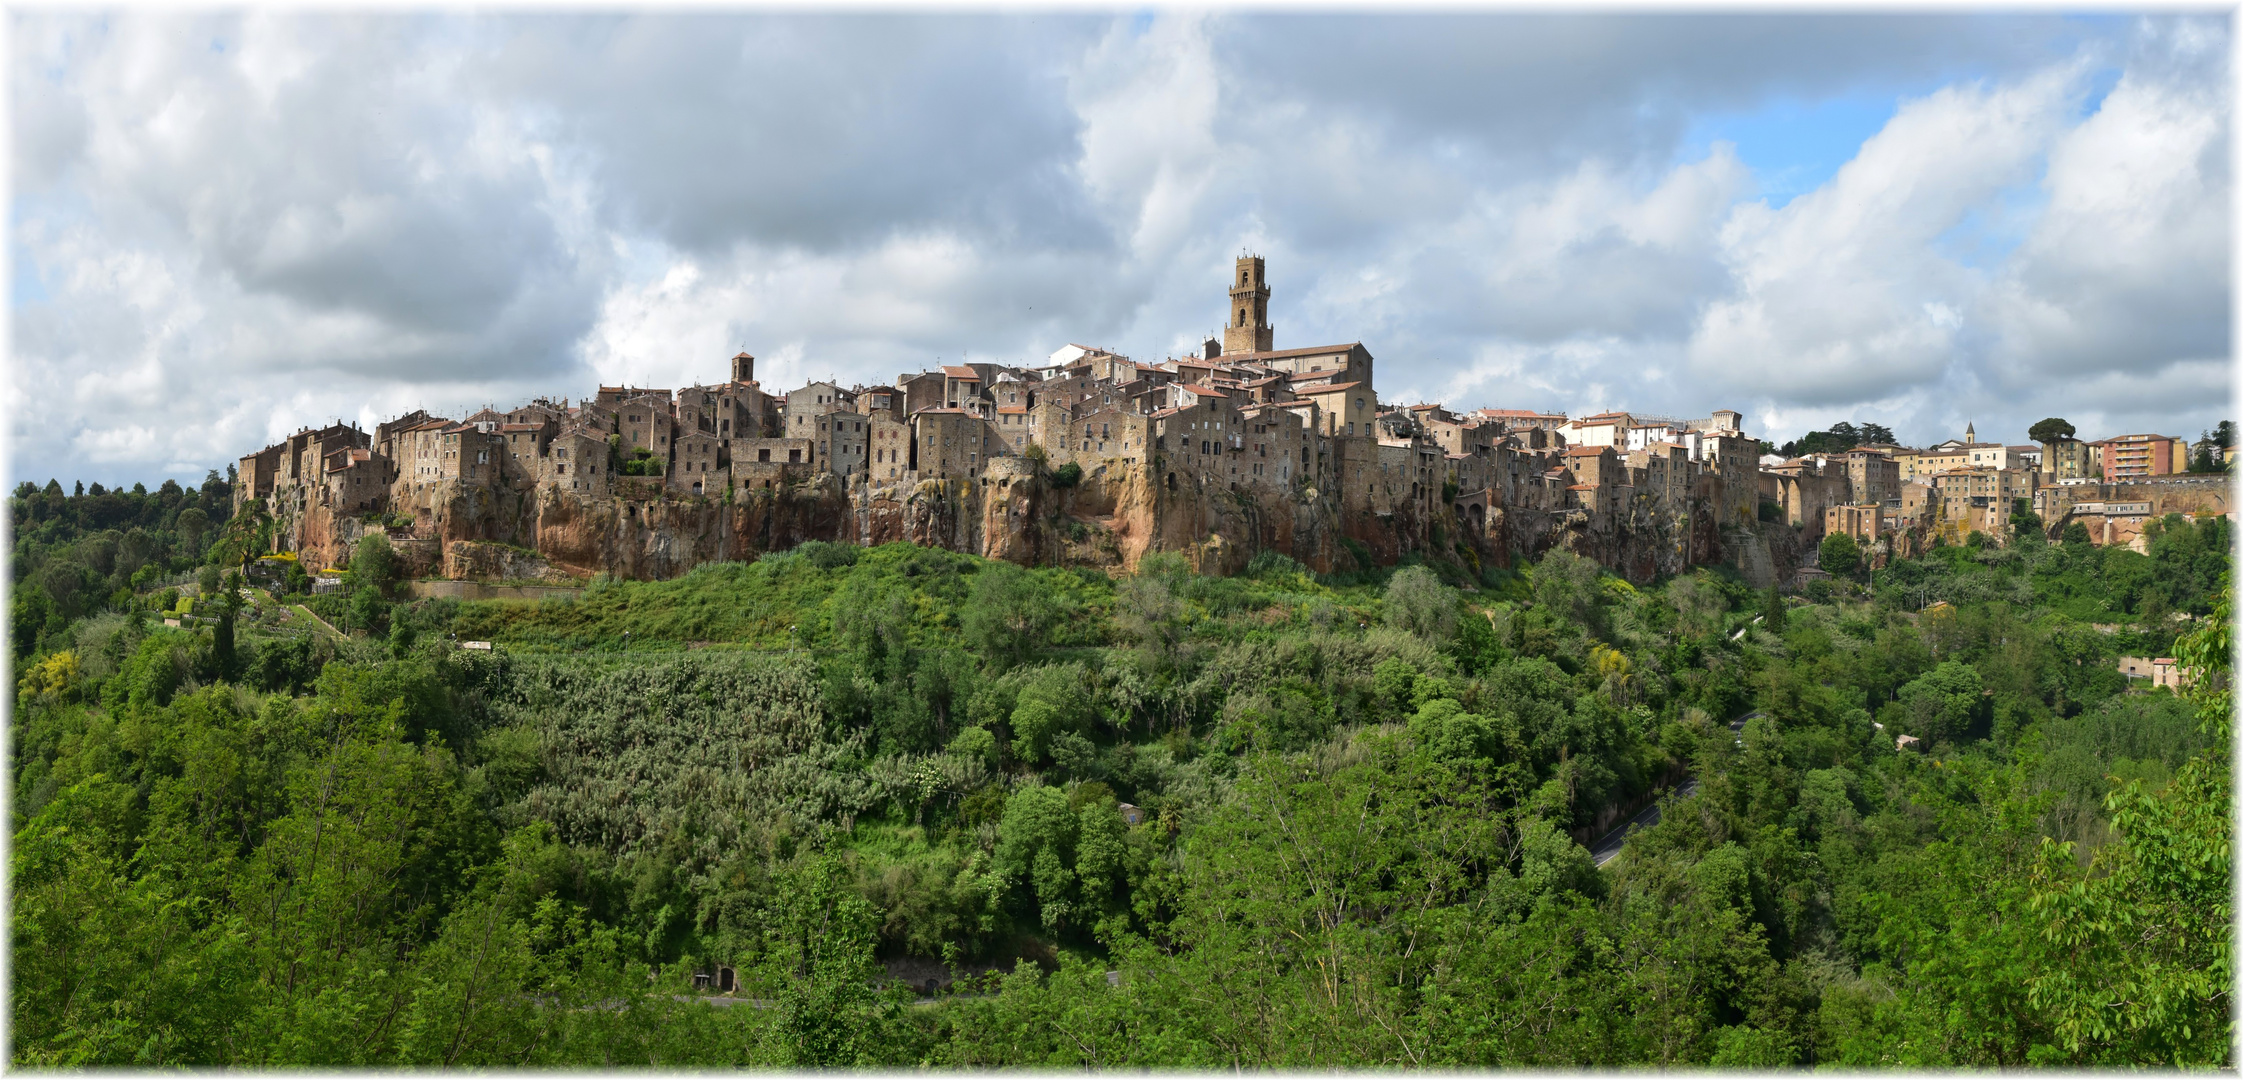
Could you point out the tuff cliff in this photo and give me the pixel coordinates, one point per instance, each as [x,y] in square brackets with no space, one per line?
[1016,511]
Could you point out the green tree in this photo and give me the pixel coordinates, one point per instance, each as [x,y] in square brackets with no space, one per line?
[820,940]
[2051,430]
[1036,847]
[373,564]
[1008,612]
[1051,703]
[1774,613]
[1944,703]
[1147,610]
[191,524]
[368,611]
[1567,585]
[1840,556]
[2023,522]
[229,609]
[1417,602]
[2141,970]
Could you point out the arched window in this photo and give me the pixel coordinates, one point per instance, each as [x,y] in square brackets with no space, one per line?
[1242,277]
[1242,316]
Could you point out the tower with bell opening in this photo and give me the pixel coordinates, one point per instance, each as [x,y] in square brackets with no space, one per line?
[1247,328]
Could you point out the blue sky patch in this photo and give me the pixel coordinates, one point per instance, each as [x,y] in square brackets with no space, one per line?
[1794,146]
[25,284]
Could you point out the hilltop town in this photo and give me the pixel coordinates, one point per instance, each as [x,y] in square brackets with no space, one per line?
[1095,458]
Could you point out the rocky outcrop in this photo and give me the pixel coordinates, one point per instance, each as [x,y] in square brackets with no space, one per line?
[1111,518]
[482,560]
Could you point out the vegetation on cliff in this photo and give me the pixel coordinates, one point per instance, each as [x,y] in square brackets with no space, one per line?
[1353,835]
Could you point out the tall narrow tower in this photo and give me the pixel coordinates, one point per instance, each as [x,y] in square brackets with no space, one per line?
[1247,328]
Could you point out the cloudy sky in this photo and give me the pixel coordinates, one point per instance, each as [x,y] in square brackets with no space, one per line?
[226,227]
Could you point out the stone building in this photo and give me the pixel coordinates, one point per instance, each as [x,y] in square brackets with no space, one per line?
[645,422]
[1865,522]
[694,462]
[841,439]
[951,443]
[1299,435]
[890,443]
[1874,477]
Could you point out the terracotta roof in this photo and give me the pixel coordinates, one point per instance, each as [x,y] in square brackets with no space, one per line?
[1331,389]
[1581,487]
[1203,391]
[1012,408]
[1275,354]
[1585,451]
[952,412]
[521,427]
[1603,416]
[956,371]
[1166,412]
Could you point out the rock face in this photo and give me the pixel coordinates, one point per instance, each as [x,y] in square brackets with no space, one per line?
[481,560]
[1111,518]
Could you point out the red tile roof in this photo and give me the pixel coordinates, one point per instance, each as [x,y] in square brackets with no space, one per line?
[1280,353]
[956,371]
[1332,389]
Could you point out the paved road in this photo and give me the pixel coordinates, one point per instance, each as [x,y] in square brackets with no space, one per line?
[1608,847]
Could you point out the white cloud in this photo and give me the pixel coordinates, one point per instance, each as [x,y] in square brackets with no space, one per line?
[245,224]
[2128,268]
[1843,293]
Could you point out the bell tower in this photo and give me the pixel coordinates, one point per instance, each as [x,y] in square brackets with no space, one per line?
[1247,328]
